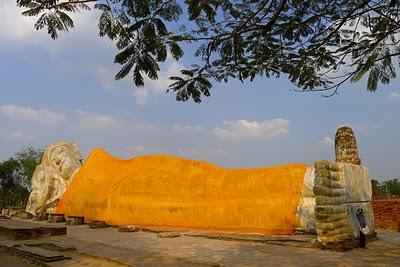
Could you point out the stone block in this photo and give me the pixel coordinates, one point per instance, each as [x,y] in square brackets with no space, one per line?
[306,214]
[97,224]
[74,220]
[354,229]
[168,234]
[308,183]
[14,212]
[55,218]
[357,182]
[128,228]
[25,215]
[42,216]
[5,211]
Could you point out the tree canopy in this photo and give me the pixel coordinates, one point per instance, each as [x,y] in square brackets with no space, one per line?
[386,188]
[317,45]
[16,175]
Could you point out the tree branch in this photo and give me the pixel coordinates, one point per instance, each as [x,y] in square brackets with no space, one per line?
[275,16]
[73,2]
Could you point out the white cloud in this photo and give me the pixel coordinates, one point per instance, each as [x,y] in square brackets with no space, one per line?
[327,141]
[105,76]
[15,26]
[187,129]
[19,31]
[104,123]
[157,87]
[243,129]
[141,95]
[394,96]
[94,122]
[40,116]
[171,68]
[18,135]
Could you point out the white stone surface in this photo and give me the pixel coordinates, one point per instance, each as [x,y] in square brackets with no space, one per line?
[308,183]
[354,229]
[306,208]
[356,181]
[53,175]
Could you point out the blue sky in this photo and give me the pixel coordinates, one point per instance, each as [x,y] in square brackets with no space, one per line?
[64,89]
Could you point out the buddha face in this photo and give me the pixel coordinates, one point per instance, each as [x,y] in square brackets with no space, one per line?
[66,159]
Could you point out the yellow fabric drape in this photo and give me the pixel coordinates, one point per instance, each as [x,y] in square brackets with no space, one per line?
[160,190]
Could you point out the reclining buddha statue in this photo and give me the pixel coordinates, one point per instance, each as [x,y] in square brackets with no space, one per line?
[166,191]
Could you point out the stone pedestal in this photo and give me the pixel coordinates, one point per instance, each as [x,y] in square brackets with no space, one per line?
[97,224]
[25,215]
[14,212]
[55,218]
[75,220]
[5,211]
[42,216]
[168,234]
[128,228]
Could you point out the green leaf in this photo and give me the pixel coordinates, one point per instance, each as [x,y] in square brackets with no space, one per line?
[128,54]
[372,84]
[124,70]
[102,7]
[137,76]
[176,51]
[363,68]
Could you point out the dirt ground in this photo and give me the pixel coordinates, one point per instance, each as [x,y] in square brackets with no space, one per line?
[108,247]
[9,260]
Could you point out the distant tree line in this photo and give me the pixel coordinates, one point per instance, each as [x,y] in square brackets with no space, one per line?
[386,188]
[16,175]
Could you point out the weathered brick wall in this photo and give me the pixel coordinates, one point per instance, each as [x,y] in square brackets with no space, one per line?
[387,213]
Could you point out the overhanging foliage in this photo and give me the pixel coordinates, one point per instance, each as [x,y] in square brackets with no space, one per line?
[318,45]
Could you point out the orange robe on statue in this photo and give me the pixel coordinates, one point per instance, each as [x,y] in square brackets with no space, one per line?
[161,190]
